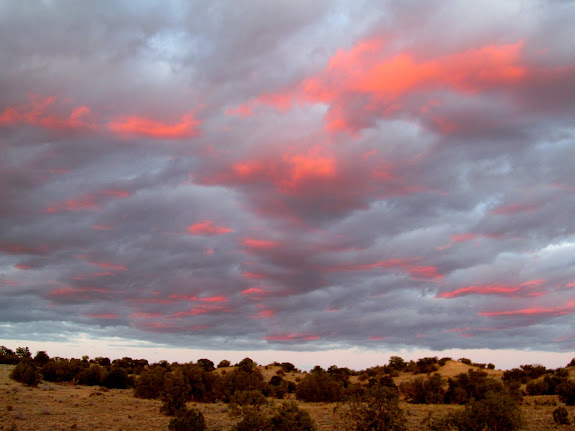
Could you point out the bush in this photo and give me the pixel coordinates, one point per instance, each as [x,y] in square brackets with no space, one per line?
[116,378]
[25,373]
[319,386]
[91,376]
[561,416]
[378,409]
[188,420]
[424,390]
[566,392]
[289,417]
[150,383]
[174,393]
[241,380]
[253,421]
[497,412]
[243,400]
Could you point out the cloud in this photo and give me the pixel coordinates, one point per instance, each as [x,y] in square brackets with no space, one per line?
[249,175]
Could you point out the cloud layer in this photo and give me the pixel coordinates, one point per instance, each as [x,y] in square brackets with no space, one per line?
[300,175]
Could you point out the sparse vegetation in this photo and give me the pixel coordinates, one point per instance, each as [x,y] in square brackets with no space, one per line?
[370,397]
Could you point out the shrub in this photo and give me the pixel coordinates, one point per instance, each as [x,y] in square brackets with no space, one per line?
[149,384]
[424,390]
[253,421]
[561,416]
[244,400]
[25,373]
[91,376]
[174,393]
[497,412]
[188,420]
[319,386]
[241,380]
[378,410]
[566,392]
[116,378]
[289,417]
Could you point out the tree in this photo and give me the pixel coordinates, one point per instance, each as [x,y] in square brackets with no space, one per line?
[41,358]
[23,352]
[206,364]
[224,363]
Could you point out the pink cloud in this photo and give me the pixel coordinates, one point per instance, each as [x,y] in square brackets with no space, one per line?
[534,311]
[497,289]
[208,228]
[186,127]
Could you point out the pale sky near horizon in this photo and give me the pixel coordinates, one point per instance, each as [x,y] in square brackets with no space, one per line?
[360,177]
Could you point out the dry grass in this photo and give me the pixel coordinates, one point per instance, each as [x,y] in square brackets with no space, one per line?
[67,407]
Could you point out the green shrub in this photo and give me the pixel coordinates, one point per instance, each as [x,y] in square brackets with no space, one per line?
[253,421]
[150,383]
[377,410]
[25,373]
[319,386]
[496,412]
[424,390]
[242,400]
[289,417]
[188,420]
[174,393]
[91,376]
[561,416]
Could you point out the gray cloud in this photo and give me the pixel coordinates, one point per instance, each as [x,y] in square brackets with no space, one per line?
[254,176]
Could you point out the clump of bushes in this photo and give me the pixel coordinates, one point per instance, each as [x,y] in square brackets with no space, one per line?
[319,386]
[496,412]
[376,409]
[26,373]
[424,390]
[288,417]
[188,420]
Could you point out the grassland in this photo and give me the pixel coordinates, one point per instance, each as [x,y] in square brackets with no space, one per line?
[53,406]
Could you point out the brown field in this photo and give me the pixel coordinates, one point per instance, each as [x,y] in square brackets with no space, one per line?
[67,407]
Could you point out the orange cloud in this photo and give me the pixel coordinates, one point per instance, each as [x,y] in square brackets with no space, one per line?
[370,71]
[208,228]
[186,127]
[36,113]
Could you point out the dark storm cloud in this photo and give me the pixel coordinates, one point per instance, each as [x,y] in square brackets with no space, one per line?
[285,174]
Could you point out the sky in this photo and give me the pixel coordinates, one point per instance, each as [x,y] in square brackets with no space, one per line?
[289,177]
